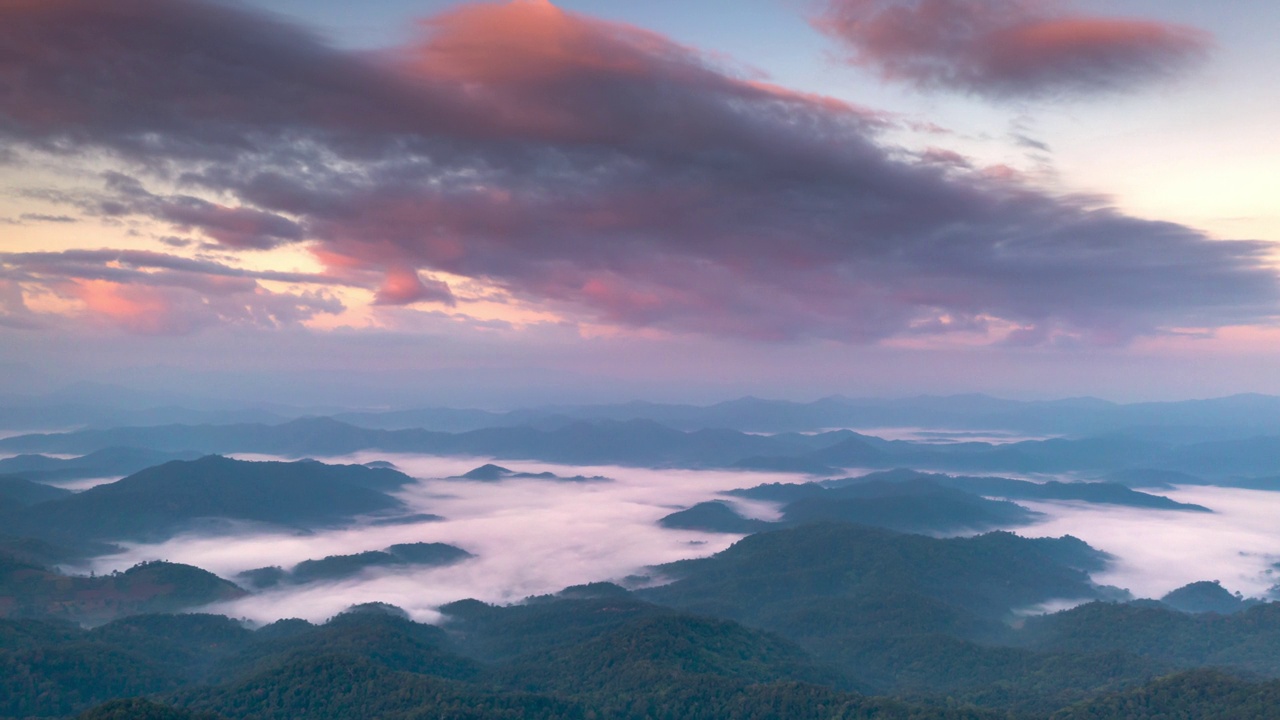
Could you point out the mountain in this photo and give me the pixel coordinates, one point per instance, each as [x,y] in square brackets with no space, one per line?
[17,491]
[789,624]
[648,444]
[1104,493]
[768,576]
[920,506]
[1150,479]
[163,500]
[662,650]
[1236,416]
[1205,597]
[142,709]
[1242,641]
[338,567]
[786,464]
[487,473]
[902,501]
[917,616]
[713,516]
[493,473]
[645,443]
[108,462]
[1200,694]
[28,590]
[582,443]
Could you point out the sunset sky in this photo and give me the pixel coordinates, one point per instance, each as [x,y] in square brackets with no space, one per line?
[498,204]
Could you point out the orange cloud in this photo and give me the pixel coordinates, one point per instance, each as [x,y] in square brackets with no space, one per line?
[135,308]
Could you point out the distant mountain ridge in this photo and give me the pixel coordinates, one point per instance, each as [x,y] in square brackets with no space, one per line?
[90,405]
[645,443]
[1245,414]
[97,464]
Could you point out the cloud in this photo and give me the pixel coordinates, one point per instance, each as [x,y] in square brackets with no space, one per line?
[1002,49]
[135,265]
[405,287]
[30,218]
[594,168]
[14,313]
[156,294]
[170,310]
[239,228]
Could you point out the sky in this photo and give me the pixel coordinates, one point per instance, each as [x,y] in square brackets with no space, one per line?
[502,204]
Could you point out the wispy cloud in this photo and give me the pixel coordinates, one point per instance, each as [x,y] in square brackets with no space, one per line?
[158,294]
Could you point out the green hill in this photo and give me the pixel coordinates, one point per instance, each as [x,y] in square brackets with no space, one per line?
[28,590]
[21,491]
[142,709]
[160,501]
[338,567]
[1198,695]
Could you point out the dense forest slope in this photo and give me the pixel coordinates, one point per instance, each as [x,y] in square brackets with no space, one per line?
[818,621]
[160,501]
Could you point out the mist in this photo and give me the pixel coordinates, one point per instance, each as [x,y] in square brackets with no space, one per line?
[536,536]
[1159,550]
[529,536]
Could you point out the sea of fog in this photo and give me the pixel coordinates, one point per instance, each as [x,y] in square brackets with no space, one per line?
[533,537]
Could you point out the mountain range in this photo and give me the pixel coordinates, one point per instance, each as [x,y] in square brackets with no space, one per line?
[644,443]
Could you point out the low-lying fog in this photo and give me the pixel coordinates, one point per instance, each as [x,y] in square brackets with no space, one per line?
[82,484]
[535,536]
[945,437]
[1158,551]
[530,536]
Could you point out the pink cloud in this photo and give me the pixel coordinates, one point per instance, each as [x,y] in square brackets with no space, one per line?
[405,287]
[138,309]
[180,310]
[1008,48]
[156,294]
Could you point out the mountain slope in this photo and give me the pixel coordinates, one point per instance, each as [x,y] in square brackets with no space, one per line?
[160,501]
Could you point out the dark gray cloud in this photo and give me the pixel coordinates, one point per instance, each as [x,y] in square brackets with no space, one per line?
[597,167]
[1008,48]
[43,218]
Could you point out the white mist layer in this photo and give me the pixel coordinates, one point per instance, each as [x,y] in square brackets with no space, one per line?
[935,436]
[529,536]
[1161,550]
[82,484]
[534,537]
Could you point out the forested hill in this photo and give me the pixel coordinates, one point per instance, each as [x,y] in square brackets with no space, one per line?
[160,501]
[823,621]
